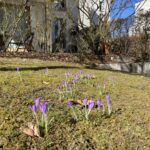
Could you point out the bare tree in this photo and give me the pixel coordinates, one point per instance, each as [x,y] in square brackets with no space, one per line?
[97,22]
[142,32]
[11,23]
[89,25]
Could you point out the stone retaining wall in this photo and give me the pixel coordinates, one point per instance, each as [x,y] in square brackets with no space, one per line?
[140,68]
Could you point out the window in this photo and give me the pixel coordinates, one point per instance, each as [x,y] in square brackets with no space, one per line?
[59,5]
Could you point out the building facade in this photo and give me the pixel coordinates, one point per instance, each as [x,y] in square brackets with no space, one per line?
[141,18]
[92,10]
[53,24]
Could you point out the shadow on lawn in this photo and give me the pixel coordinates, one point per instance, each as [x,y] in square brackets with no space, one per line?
[37,68]
[93,67]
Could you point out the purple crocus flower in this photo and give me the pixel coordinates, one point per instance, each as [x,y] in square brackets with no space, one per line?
[80,71]
[18,69]
[63,82]
[108,100]
[59,88]
[43,107]
[85,101]
[76,77]
[33,108]
[110,78]
[70,103]
[91,105]
[37,101]
[98,103]
[67,74]
[74,81]
[46,70]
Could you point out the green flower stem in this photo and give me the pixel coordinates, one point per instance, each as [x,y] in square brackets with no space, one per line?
[109,110]
[74,86]
[71,93]
[46,123]
[86,113]
[66,86]
[74,113]
[60,98]
[103,109]
[42,120]
[20,77]
[36,117]
[89,112]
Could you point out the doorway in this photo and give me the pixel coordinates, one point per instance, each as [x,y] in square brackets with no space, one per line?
[59,35]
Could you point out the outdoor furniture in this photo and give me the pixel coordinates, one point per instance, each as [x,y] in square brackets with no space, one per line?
[27,43]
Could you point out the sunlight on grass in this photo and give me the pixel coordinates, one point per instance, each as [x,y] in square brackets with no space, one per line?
[128,127]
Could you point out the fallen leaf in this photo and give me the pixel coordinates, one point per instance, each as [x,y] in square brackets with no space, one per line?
[31,130]
[45,82]
[28,131]
[36,131]
[30,125]
[34,128]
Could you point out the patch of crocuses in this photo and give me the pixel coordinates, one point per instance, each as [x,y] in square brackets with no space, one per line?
[70,104]
[67,86]
[67,89]
[39,110]
[90,105]
[87,109]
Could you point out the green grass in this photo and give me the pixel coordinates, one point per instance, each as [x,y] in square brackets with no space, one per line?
[127,128]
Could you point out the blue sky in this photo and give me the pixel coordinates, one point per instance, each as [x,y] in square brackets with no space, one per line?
[123,8]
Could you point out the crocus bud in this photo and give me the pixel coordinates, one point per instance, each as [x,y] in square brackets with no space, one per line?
[43,107]
[91,105]
[98,103]
[37,101]
[108,100]
[85,101]
[33,108]
[70,103]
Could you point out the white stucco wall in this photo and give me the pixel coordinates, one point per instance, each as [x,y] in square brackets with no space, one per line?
[140,8]
[89,11]
[88,7]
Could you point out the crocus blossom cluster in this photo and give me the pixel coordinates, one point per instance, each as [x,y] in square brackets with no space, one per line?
[38,104]
[70,104]
[69,85]
[41,118]
[71,80]
[89,105]
[43,107]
